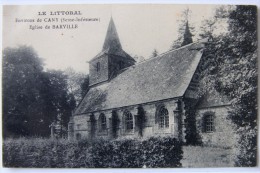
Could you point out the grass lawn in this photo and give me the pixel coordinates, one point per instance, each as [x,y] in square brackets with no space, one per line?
[198,157]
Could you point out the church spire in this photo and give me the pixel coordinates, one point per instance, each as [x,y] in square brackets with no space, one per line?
[112,42]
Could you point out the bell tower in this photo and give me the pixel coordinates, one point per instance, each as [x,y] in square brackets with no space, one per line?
[111,60]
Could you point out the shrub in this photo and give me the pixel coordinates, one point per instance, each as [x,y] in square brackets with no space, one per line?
[127,153]
[162,152]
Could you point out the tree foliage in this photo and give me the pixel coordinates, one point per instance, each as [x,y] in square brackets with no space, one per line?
[154,53]
[58,99]
[214,27]
[231,70]
[243,74]
[84,86]
[185,30]
[32,98]
[187,36]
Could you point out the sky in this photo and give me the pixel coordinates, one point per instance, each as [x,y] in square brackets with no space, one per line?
[141,29]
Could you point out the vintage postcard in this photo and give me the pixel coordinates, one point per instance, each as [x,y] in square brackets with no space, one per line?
[129,86]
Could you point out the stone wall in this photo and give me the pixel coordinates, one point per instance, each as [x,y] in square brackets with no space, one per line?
[110,65]
[80,126]
[223,133]
[81,123]
[101,75]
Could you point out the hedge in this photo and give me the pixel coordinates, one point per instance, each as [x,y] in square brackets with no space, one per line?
[127,153]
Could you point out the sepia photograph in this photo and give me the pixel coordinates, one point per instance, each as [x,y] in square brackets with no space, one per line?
[129,86]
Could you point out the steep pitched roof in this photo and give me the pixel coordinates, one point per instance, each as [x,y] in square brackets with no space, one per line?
[112,43]
[166,76]
[119,52]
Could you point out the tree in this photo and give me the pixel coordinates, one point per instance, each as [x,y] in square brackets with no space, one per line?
[210,28]
[74,83]
[84,86]
[231,71]
[187,36]
[184,32]
[243,84]
[32,98]
[22,69]
[154,54]
[58,101]
[207,29]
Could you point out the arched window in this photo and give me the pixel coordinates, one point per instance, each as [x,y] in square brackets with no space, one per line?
[129,125]
[208,122]
[98,66]
[163,116]
[102,122]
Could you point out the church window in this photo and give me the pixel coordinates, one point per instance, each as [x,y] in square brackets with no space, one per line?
[163,118]
[128,121]
[208,123]
[98,66]
[102,122]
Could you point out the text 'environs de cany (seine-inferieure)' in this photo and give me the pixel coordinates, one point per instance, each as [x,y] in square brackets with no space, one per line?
[55,20]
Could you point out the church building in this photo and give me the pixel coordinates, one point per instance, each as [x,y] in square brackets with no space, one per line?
[155,97]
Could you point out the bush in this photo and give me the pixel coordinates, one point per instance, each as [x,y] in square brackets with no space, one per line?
[46,153]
